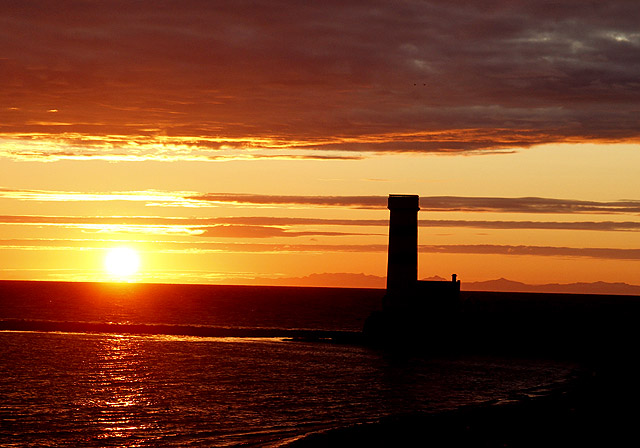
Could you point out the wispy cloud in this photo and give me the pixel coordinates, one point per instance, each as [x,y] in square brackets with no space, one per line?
[202,79]
[374,202]
[527,205]
[437,203]
[274,225]
[542,251]
[48,195]
[252,231]
[612,226]
[531,205]
[223,228]
[236,247]
[148,197]
[47,147]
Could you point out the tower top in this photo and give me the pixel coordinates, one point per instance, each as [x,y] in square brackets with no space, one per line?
[404,201]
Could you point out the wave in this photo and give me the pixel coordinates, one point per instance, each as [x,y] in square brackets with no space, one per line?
[537,414]
[180,330]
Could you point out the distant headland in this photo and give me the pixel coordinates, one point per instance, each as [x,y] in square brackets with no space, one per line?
[362,280]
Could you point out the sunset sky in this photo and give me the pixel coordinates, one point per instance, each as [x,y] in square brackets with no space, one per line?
[257,142]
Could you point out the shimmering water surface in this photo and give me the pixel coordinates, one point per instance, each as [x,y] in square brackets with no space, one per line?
[83,389]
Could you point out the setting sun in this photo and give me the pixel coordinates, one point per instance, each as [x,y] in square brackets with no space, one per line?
[122,262]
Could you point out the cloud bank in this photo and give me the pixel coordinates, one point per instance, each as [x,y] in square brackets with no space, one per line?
[261,221]
[234,247]
[531,205]
[178,79]
[436,203]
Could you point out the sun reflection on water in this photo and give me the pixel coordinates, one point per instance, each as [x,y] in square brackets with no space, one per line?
[119,393]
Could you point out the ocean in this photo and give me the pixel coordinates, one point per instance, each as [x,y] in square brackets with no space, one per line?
[132,365]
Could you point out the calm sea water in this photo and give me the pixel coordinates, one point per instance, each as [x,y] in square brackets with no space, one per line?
[88,389]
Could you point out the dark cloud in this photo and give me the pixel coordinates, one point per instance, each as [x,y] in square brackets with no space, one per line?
[542,225]
[270,222]
[505,225]
[252,231]
[544,251]
[359,75]
[437,203]
[480,249]
[526,205]
[533,205]
[62,220]
[325,201]
[292,221]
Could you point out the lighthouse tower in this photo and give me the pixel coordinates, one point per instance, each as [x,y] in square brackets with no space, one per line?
[404,290]
[402,265]
[412,310]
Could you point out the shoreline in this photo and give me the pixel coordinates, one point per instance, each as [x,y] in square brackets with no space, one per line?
[590,410]
[293,334]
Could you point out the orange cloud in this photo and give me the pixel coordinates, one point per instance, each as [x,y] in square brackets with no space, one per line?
[245,224]
[252,231]
[436,203]
[207,79]
[217,247]
[532,205]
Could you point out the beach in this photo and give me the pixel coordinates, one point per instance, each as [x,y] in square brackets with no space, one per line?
[591,410]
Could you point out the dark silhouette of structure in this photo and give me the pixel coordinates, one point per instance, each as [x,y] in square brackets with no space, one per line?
[404,290]
[431,316]
[402,266]
[410,307]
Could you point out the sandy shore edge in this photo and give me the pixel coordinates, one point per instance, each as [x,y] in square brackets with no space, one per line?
[594,409]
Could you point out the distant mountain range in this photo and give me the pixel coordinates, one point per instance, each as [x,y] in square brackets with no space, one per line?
[355,280]
[502,284]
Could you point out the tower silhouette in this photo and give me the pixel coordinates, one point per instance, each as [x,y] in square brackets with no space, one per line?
[411,308]
[402,265]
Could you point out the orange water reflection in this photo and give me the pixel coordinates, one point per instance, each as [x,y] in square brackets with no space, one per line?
[119,394]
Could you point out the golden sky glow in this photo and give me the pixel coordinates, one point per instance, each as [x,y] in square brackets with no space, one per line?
[233,144]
